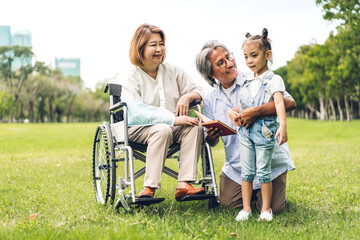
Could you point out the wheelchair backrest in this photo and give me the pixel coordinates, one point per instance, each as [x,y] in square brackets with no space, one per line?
[117,123]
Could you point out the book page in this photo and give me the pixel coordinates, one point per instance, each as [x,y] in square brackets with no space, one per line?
[202,117]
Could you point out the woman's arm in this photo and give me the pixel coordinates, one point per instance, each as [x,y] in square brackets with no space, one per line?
[182,106]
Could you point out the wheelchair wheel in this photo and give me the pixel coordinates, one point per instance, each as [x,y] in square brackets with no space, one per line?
[102,155]
[213,203]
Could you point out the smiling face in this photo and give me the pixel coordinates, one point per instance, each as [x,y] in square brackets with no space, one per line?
[154,51]
[227,74]
[256,58]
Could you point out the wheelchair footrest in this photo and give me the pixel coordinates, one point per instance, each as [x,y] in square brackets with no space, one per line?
[147,201]
[195,197]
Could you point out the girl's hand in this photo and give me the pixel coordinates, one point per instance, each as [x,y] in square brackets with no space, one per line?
[185,120]
[283,135]
[182,106]
[234,116]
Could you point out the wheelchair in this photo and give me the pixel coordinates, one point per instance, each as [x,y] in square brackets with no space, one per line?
[113,166]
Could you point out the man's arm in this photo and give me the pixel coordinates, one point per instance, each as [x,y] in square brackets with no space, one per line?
[249,115]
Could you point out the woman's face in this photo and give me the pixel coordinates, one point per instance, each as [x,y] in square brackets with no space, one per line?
[154,51]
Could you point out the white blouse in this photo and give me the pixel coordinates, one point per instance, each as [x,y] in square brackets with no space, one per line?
[170,84]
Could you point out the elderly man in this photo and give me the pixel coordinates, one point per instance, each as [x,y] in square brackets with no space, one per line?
[218,67]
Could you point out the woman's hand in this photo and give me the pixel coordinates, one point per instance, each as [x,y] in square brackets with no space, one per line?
[185,120]
[182,106]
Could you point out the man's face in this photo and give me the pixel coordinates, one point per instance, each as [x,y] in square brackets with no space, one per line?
[227,73]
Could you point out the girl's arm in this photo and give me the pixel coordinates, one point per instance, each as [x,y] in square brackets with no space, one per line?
[280,110]
[234,115]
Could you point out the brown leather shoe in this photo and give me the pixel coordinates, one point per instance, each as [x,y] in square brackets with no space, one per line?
[146,193]
[188,190]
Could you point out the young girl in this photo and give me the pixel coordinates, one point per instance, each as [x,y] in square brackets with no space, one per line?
[257,143]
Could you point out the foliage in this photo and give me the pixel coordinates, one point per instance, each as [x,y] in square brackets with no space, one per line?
[47,192]
[323,77]
[41,94]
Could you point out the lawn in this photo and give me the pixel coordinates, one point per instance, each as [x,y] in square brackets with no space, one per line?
[46,190]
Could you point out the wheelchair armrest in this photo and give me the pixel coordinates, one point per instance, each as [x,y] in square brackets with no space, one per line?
[117,106]
[194,104]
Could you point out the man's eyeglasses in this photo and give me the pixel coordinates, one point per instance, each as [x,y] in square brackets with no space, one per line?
[222,63]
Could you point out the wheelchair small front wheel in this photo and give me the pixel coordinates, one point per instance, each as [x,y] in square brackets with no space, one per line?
[101,165]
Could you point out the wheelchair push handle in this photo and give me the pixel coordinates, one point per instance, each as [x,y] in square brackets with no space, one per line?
[194,103]
[114,89]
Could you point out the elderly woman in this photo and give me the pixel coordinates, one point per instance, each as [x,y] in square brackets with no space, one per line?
[218,67]
[162,85]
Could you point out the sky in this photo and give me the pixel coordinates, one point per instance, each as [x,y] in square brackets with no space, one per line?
[99,32]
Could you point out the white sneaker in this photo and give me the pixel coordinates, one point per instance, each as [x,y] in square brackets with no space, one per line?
[266,216]
[243,215]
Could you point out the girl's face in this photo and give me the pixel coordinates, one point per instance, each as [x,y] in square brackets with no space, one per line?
[154,51]
[255,58]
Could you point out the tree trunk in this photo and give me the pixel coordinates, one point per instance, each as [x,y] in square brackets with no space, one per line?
[341,115]
[51,109]
[313,111]
[69,109]
[31,111]
[332,109]
[347,108]
[21,114]
[58,112]
[323,115]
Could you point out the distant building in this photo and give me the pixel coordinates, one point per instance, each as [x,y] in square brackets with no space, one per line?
[5,36]
[22,38]
[68,66]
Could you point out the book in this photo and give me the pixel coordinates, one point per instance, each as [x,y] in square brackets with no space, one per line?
[208,123]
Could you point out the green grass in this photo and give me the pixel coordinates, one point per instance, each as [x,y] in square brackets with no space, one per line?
[46,170]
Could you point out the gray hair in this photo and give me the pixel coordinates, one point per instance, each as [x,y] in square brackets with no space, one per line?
[203,64]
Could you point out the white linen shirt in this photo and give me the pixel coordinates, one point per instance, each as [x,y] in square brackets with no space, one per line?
[170,84]
[216,105]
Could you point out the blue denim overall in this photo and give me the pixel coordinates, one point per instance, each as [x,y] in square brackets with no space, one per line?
[257,143]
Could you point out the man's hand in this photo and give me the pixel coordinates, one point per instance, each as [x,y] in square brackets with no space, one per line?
[182,106]
[212,136]
[248,116]
[185,120]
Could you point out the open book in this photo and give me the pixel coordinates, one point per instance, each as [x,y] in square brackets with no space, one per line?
[208,123]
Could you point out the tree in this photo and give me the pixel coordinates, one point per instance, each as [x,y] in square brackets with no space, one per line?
[15,78]
[346,46]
